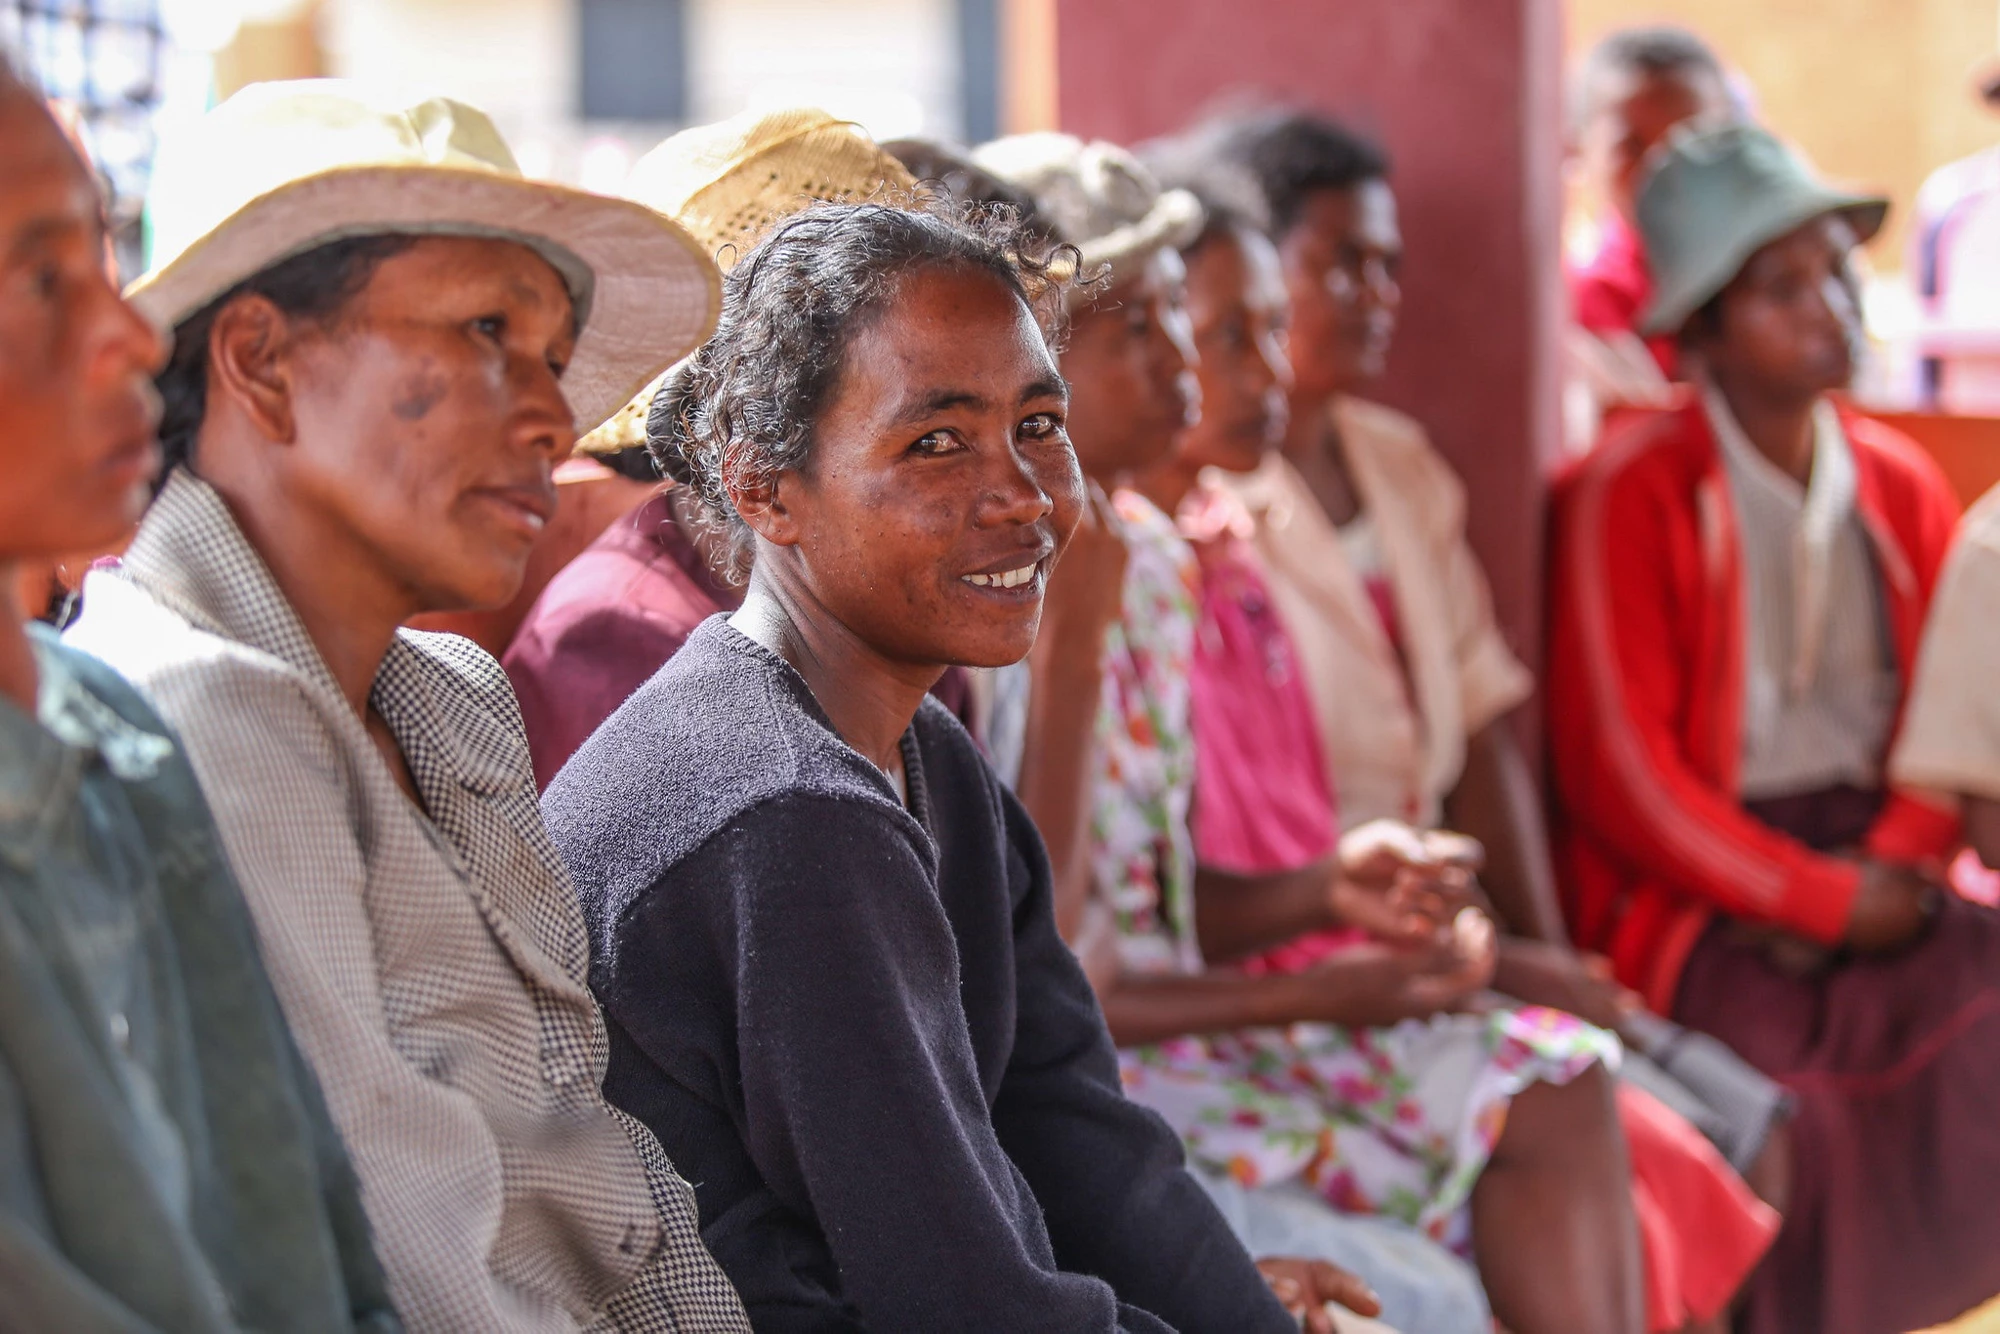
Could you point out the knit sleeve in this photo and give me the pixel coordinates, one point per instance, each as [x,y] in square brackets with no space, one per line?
[862,1107]
[1109,1174]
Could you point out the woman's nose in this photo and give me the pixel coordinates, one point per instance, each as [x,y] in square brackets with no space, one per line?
[1014,494]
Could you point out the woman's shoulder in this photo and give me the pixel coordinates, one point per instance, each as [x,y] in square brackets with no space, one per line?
[724,735]
[962,785]
[952,760]
[209,687]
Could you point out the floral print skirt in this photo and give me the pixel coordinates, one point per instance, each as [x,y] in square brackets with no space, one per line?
[1394,1121]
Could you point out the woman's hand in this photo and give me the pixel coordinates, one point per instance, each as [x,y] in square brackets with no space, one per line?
[1895,904]
[1562,979]
[1402,885]
[1378,984]
[1096,945]
[1306,1286]
[1086,587]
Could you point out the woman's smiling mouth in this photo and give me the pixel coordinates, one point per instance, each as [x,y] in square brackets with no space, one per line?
[1006,578]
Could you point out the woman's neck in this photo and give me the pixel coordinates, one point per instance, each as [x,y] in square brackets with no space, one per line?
[1309,428]
[1315,449]
[19,677]
[1167,483]
[350,610]
[868,698]
[1780,427]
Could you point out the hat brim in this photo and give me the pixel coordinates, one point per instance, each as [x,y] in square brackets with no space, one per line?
[1174,220]
[653,295]
[1671,306]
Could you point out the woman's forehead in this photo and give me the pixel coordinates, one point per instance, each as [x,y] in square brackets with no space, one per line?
[950,332]
[487,260]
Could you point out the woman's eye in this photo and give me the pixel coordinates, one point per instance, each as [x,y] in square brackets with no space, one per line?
[491,326]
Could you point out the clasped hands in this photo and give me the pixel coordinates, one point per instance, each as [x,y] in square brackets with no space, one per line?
[1431,947]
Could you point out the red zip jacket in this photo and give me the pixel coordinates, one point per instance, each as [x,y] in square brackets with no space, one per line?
[1646,663]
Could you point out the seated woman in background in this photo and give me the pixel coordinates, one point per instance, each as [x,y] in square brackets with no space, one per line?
[1295,1112]
[824,931]
[1739,585]
[1263,800]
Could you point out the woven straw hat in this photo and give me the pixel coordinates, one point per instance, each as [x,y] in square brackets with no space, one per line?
[282,168]
[729,183]
[1712,198]
[1096,196]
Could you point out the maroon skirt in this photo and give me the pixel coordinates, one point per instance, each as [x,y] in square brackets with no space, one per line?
[1894,1221]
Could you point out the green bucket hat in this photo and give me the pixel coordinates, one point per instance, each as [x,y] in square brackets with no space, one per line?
[1712,198]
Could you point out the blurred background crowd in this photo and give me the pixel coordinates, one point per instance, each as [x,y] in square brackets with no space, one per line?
[1527,316]
[1478,107]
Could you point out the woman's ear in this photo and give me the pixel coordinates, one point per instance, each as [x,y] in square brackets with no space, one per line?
[765,502]
[249,365]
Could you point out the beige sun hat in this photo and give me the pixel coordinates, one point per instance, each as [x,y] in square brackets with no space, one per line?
[731,182]
[1096,196]
[281,168]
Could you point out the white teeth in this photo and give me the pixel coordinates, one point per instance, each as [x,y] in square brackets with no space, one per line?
[1008,579]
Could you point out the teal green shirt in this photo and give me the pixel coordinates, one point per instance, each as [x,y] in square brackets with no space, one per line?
[165,1161]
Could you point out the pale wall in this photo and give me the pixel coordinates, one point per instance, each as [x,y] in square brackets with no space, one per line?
[1876,91]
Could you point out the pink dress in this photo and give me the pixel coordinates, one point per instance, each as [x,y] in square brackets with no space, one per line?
[1262,800]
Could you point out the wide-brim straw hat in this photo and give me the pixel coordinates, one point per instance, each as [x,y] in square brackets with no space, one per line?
[728,184]
[1096,196]
[1713,197]
[282,168]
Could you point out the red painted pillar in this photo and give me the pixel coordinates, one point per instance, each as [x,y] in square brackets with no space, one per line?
[1467,96]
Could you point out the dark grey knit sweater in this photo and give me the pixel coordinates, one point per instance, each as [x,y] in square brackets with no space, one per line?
[855,1029]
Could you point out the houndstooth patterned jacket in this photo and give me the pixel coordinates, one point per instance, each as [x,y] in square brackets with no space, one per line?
[431,962]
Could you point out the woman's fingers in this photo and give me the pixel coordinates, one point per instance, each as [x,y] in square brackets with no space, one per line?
[1448,848]
[1306,1287]
[1335,1284]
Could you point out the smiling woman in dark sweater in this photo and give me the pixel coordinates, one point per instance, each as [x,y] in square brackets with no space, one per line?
[822,929]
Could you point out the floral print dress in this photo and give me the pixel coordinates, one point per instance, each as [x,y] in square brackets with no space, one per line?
[1398,1121]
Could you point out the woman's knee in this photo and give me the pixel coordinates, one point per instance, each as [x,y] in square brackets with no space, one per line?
[1567,1118]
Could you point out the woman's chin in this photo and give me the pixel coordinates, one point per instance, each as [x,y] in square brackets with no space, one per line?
[1001,648]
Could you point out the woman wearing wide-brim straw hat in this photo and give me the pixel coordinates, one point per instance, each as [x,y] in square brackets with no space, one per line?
[386,339]
[613,616]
